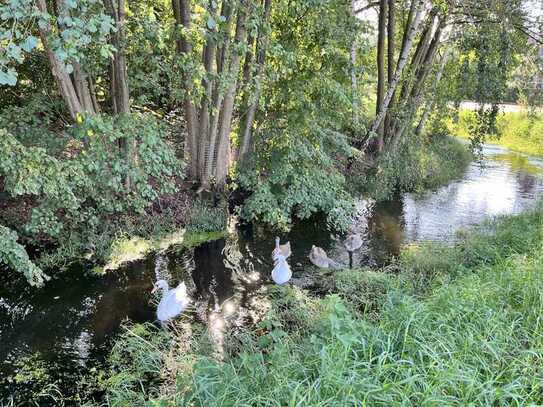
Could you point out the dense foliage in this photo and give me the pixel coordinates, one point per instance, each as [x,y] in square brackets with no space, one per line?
[72,188]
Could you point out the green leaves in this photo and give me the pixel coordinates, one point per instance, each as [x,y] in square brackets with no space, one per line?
[29,43]
[13,255]
[77,192]
[8,77]
[77,36]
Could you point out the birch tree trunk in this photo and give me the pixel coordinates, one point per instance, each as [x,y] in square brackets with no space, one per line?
[401,64]
[381,68]
[430,105]
[391,45]
[413,101]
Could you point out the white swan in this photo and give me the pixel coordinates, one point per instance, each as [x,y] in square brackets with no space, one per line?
[281,273]
[282,249]
[173,301]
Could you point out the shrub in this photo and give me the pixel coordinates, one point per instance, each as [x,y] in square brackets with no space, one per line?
[86,186]
[296,176]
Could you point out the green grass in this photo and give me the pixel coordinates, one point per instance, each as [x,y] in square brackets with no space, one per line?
[418,165]
[518,131]
[442,326]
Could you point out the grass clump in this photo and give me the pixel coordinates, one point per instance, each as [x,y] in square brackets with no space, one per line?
[365,290]
[458,325]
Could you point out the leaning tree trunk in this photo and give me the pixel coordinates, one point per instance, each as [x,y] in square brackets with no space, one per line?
[430,105]
[397,74]
[261,48]
[413,101]
[381,69]
[391,46]
[64,82]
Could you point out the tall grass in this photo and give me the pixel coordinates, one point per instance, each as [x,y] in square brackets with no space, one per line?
[456,326]
[518,131]
[418,165]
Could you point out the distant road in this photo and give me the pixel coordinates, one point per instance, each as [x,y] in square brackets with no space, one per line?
[504,107]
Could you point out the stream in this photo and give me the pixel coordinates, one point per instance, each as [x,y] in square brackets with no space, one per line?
[50,338]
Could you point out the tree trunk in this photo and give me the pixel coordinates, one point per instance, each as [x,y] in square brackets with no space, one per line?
[391,43]
[208,58]
[381,69]
[182,18]
[223,152]
[261,47]
[397,74]
[431,102]
[354,79]
[81,85]
[62,78]
[119,79]
[413,101]
[218,95]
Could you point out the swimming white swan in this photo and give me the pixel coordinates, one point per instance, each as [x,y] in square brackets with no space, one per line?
[281,272]
[282,249]
[173,301]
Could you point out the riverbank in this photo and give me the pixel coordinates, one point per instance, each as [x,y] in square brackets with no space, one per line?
[424,163]
[444,324]
[518,131]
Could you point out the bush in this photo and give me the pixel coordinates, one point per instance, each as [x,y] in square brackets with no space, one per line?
[296,176]
[85,188]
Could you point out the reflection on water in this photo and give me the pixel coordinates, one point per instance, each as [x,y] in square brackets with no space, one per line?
[51,336]
[500,184]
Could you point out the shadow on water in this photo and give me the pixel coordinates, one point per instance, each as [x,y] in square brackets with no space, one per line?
[52,337]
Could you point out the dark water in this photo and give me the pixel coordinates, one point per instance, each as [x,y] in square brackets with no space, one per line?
[50,338]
